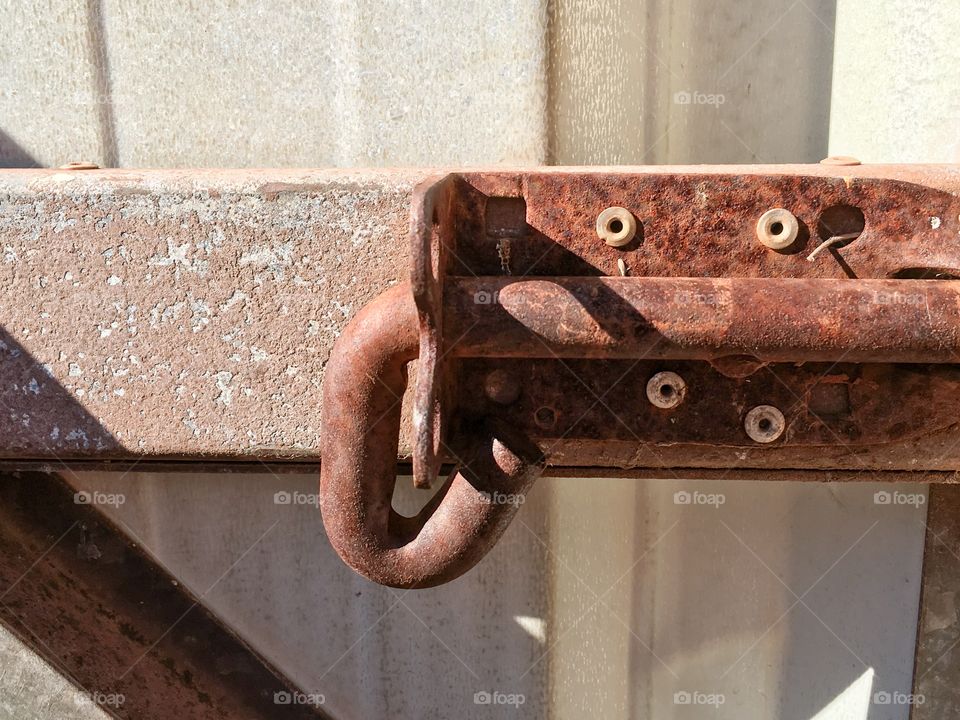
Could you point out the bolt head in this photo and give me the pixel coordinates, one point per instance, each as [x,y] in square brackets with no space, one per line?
[80,165]
[666,390]
[764,424]
[840,160]
[616,226]
[778,228]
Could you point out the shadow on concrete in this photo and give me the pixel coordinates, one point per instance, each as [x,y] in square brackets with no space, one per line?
[14,156]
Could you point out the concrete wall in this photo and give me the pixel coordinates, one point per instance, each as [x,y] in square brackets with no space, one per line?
[605,597]
[895,79]
[267,570]
[251,83]
[688,81]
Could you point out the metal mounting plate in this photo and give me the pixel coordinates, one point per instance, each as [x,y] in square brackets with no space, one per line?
[690,225]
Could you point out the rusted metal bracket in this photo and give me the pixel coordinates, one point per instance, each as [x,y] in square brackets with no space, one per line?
[703,320]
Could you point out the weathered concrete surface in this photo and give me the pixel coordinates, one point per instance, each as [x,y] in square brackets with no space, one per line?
[896,69]
[169,312]
[46,65]
[677,81]
[252,547]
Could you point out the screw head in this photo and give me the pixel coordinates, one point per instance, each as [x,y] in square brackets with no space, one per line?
[666,390]
[777,229]
[616,226]
[764,424]
[501,387]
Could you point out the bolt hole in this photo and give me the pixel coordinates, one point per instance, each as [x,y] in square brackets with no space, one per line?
[764,424]
[843,221]
[616,225]
[546,417]
[776,228]
[666,390]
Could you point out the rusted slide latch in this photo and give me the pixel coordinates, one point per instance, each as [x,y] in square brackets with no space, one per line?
[625,320]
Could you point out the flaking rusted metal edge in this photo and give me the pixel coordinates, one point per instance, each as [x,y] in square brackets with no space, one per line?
[430,234]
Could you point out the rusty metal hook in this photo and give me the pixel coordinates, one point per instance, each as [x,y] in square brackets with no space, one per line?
[363,384]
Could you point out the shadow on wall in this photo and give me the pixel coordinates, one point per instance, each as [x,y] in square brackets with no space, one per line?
[106,119]
[14,156]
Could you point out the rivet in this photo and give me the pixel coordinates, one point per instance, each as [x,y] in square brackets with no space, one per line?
[666,389]
[839,160]
[764,424]
[80,165]
[501,387]
[777,228]
[616,226]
